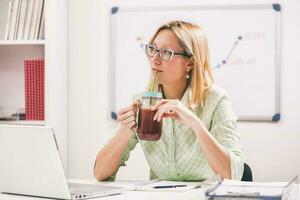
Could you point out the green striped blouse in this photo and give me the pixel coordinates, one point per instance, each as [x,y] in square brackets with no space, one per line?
[178,155]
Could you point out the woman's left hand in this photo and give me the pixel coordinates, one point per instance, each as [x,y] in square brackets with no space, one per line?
[174,109]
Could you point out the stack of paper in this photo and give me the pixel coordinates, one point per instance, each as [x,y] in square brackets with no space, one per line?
[230,188]
[239,188]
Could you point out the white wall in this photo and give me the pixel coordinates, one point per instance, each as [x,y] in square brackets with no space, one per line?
[270,148]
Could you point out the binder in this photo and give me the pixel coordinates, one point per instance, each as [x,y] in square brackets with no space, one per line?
[254,190]
[34,89]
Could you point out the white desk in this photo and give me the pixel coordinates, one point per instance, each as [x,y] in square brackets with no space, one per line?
[196,194]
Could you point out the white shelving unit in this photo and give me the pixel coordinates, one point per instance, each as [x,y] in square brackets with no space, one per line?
[22,42]
[23,122]
[54,51]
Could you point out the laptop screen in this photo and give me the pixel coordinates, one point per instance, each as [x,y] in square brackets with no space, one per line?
[31,165]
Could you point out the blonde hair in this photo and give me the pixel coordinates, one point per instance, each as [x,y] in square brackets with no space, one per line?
[194,42]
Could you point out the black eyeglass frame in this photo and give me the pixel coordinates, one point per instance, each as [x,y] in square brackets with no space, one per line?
[158,51]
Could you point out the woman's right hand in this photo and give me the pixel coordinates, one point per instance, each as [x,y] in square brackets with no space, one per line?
[108,158]
[127,116]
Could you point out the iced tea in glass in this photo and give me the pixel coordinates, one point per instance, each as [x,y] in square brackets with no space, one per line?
[149,129]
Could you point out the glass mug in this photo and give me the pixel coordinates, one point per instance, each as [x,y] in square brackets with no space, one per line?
[147,128]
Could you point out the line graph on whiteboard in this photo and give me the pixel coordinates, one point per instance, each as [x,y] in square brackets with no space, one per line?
[225,61]
[228,59]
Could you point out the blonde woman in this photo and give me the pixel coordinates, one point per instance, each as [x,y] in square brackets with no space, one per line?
[199,136]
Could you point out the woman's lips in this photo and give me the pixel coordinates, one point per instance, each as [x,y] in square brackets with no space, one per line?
[157,70]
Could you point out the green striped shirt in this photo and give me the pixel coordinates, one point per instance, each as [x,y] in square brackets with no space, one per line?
[178,155]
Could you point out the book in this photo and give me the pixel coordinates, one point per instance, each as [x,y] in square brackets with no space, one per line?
[42,27]
[40,89]
[28,19]
[29,90]
[34,71]
[39,18]
[34,19]
[8,21]
[17,19]
[14,19]
[22,17]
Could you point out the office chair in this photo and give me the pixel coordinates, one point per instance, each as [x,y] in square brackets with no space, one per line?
[247,174]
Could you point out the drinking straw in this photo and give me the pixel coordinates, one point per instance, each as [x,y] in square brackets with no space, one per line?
[153,82]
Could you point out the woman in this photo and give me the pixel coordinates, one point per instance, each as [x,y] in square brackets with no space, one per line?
[199,136]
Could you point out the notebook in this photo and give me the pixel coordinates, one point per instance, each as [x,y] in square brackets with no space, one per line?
[31,165]
[155,185]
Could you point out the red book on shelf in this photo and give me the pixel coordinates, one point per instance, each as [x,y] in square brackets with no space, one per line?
[40,92]
[34,89]
[29,90]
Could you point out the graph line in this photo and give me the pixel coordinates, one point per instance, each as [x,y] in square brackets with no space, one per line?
[225,61]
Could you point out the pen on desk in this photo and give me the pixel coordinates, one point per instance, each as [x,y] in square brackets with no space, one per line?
[168,186]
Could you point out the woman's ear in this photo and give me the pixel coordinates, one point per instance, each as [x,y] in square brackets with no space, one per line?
[190,64]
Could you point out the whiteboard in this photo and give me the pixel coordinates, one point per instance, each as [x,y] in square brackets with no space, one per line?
[244,42]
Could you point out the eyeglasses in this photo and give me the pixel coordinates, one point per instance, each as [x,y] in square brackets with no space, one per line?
[163,53]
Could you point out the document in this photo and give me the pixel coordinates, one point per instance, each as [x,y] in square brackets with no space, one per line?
[155,185]
[128,184]
[231,188]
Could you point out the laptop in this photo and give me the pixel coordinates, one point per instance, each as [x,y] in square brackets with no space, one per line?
[30,164]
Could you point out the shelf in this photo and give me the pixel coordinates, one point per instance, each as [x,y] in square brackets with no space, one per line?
[23,122]
[22,42]
[53,50]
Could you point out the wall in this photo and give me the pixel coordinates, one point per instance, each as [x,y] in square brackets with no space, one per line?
[271,149]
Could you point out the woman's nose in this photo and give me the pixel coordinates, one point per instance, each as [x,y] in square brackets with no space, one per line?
[156,59]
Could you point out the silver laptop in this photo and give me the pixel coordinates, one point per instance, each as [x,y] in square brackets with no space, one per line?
[30,165]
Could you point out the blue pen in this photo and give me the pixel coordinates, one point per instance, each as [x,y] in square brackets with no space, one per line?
[168,186]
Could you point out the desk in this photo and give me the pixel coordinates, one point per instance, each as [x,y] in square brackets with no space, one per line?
[130,195]
[196,194]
